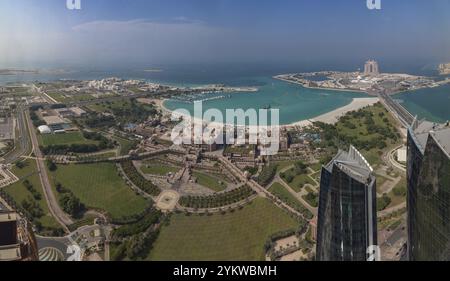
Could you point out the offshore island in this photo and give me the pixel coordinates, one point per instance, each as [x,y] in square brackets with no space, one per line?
[371,81]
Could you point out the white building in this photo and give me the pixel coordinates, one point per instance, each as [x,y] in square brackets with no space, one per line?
[44,130]
[401,155]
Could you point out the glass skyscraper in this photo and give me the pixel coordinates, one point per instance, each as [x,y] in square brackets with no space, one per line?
[428,191]
[347,218]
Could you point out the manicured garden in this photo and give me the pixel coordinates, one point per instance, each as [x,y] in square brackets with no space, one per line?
[235,236]
[136,178]
[210,182]
[160,170]
[28,194]
[217,200]
[64,139]
[284,195]
[99,186]
[297,177]
[267,174]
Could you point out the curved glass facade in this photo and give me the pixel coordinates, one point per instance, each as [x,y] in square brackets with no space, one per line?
[347,214]
[428,201]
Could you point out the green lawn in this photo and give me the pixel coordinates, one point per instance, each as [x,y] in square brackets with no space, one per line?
[66,138]
[19,193]
[381,179]
[125,145]
[284,164]
[108,106]
[99,186]
[316,176]
[70,98]
[284,195]
[312,198]
[316,167]
[210,182]
[397,199]
[238,236]
[299,181]
[161,170]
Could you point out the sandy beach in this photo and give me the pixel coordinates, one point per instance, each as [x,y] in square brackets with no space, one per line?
[333,116]
[357,103]
[330,117]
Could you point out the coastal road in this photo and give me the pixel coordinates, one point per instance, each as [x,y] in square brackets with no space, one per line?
[403,115]
[63,219]
[22,142]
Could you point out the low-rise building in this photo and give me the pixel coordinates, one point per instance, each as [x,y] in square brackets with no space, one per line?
[44,130]
[17,241]
[56,123]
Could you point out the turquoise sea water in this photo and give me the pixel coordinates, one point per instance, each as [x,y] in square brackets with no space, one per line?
[294,101]
[432,104]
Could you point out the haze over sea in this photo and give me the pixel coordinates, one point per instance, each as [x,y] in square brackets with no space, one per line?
[295,102]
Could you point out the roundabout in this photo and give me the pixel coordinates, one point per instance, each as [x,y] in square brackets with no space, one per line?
[167,200]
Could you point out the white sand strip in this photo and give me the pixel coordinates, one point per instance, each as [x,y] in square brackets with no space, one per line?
[330,117]
[333,116]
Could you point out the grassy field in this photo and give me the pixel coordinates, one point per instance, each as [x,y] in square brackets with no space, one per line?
[67,138]
[103,107]
[281,192]
[125,145]
[316,167]
[161,170]
[70,98]
[316,176]
[381,179]
[234,236]
[99,186]
[284,164]
[210,182]
[299,181]
[20,193]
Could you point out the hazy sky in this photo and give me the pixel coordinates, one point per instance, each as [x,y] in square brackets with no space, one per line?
[127,32]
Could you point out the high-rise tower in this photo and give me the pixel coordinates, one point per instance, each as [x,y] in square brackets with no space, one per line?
[428,199]
[347,220]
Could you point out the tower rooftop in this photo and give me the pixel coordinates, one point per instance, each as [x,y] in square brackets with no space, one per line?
[354,164]
[440,132]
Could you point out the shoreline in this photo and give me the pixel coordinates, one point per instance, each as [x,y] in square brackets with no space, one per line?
[319,88]
[331,117]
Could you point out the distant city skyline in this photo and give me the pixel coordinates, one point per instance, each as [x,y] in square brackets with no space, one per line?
[117,32]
